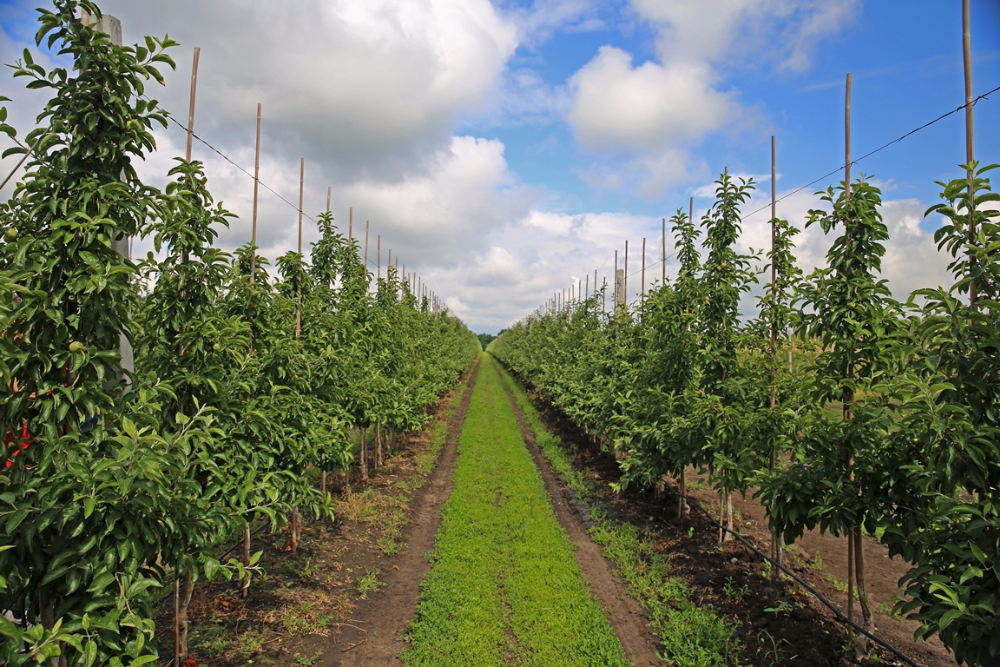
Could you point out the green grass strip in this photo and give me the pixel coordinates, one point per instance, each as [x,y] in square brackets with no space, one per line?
[504,587]
[692,636]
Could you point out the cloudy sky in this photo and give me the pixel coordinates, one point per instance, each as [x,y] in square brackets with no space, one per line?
[506,150]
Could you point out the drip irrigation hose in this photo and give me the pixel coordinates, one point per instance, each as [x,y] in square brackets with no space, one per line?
[800,581]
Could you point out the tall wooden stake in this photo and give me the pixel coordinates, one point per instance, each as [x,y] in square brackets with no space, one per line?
[194,89]
[776,550]
[969,143]
[298,303]
[846,408]
[181,602]
[350,224]
[642,279]
[847,138]
[625,277]
[855,545]
[663,256]
[329,193]
[256,187]
[296,518]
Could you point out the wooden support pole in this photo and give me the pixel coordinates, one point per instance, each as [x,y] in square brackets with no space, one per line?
[663,257]
[617,297]
[625,278]
[776,550]
[774,274]
[298,303]
[586,288]
[847,138]
[302,189]
[256,188]
[642,279]
[969,135]
[194,89]
[350,224]
[846,407]
[329,193]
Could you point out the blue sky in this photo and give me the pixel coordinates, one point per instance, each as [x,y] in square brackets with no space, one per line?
[907,64]
[506,150]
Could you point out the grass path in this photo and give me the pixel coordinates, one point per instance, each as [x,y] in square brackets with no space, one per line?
[504,587]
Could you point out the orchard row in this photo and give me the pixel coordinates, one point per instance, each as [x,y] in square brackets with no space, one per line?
[886,423]
[247,388]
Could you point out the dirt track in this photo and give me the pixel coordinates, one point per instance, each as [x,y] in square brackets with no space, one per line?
[386,614]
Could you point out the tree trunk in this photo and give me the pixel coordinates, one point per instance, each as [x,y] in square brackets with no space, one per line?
[859,571]
[298,526]
[47,608]
[722,518]
[182,619]
[850,581]
[378,446]
[364,455]
[246,560]
[682,502]
[177,622]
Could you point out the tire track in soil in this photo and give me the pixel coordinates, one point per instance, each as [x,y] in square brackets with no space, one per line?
[627,617]
[386,614]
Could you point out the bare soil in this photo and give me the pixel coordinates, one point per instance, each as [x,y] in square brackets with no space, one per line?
[387,613]
[628,619]
[778,622]
[341,599]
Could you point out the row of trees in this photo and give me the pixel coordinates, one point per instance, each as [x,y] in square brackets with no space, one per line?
[247,386]
[886,424]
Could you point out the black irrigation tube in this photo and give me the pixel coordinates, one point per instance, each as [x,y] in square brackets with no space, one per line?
[799,580]
[226,553]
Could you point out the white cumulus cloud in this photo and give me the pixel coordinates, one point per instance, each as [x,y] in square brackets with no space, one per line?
[643,117]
